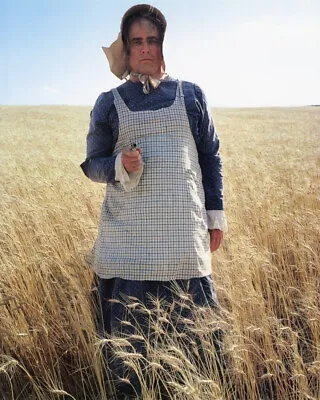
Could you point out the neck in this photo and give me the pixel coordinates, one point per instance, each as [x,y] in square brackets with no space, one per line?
[134,75]
[158,75]
[147,80]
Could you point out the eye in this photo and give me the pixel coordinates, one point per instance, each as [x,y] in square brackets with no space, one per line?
[136,42]
[153,41]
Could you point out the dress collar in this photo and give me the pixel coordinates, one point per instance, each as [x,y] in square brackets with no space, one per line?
[147,80]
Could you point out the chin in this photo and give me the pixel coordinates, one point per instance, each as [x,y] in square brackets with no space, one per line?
[146,71]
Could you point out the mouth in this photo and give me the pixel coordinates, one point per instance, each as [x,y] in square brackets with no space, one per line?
[146,59]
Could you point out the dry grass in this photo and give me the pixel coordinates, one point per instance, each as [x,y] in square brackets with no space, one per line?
[267,273]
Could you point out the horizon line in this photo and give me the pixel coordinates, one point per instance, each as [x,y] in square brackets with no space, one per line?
[212,106]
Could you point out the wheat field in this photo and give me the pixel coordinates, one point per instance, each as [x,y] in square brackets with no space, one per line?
[266,273]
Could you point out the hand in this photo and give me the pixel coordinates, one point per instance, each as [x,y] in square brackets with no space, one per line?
[216,237]
[131,159]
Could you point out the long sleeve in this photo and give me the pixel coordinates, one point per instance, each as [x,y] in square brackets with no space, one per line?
[99,165]
[209,157]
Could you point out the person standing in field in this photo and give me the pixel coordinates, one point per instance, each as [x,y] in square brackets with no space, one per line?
[153,141]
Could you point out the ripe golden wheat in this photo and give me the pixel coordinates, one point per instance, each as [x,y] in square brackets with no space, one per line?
[267,272]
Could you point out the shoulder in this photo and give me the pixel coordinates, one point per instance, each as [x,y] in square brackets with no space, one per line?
[191,88]
[105,103]
[195,99]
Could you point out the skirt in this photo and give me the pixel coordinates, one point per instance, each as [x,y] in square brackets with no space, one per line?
[142,314]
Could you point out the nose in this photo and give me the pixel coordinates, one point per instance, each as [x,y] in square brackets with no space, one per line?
[145,47]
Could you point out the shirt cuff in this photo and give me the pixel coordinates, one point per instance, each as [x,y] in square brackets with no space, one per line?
[128,180]
[217,220]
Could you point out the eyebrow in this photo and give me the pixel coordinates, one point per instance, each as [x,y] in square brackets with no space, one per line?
[140,38]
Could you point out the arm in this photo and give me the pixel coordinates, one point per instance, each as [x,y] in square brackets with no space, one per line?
[211,168]
[99,165]
[209,157]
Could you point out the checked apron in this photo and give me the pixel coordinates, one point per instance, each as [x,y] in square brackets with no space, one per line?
[158,229]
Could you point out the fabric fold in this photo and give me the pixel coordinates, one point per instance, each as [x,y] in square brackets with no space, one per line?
[128,180]
[217,220]
[117,58]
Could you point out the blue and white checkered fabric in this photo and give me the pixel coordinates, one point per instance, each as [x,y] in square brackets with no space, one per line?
[158,230]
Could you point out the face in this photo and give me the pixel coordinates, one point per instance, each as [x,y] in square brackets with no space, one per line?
[145,53]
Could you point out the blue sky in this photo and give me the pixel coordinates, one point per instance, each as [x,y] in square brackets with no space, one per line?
[242,53]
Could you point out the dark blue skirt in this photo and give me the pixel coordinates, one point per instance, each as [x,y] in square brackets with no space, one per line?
[116,294]
[130,309]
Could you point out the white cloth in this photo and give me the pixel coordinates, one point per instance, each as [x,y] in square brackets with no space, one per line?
[217,220]
[148,80]
[128,180]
